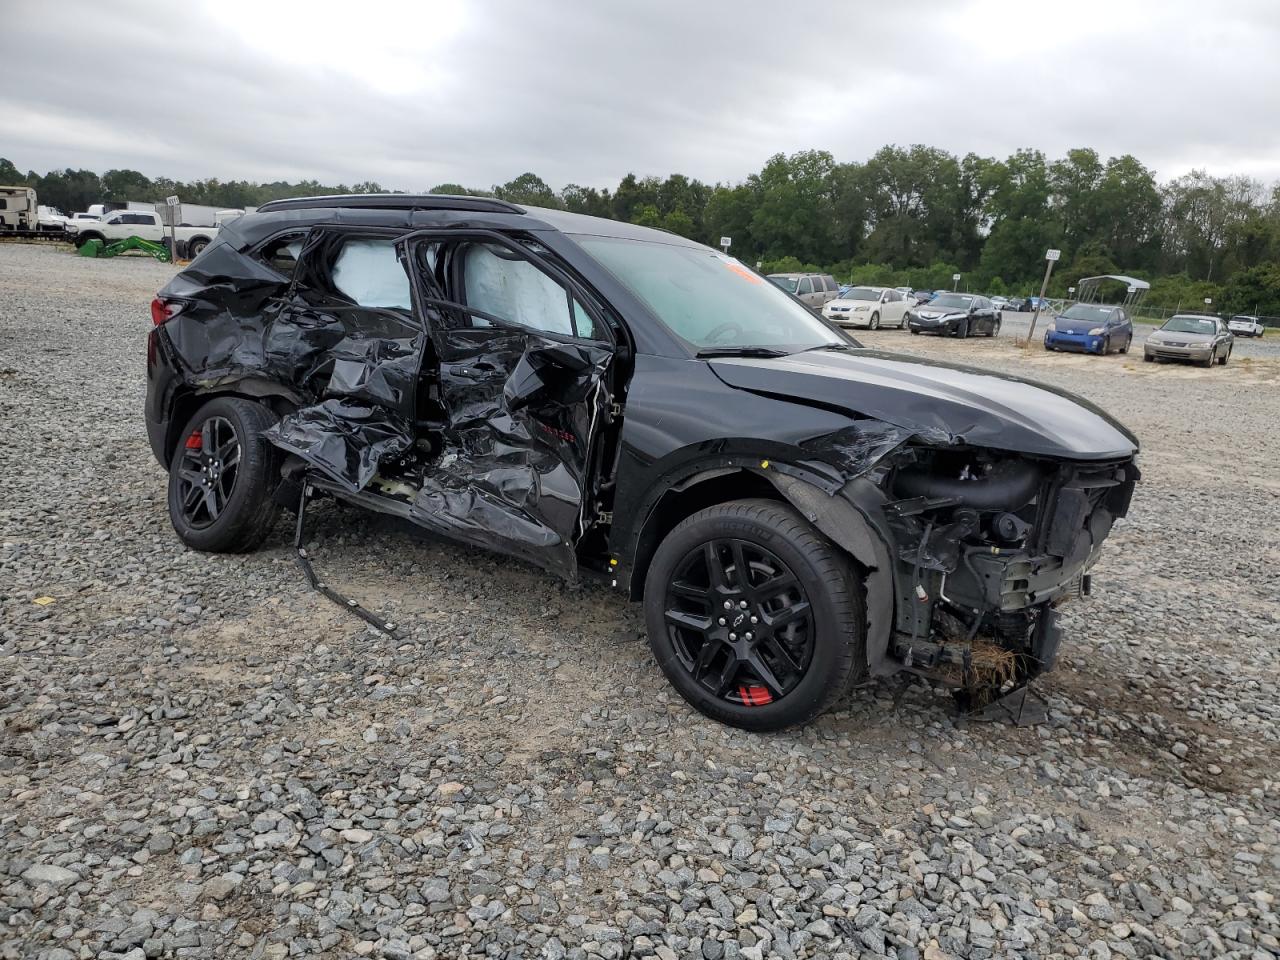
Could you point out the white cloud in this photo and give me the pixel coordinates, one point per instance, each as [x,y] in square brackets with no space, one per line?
[414,94]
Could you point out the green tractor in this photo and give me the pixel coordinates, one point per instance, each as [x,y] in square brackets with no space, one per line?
[97,248]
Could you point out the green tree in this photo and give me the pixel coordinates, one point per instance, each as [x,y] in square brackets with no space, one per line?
[728,213]
[647,216]
[9,174]
[632,194]
[791,216]
[588,200]
[677,221]
[1254,290]
[127,185]
[528,188]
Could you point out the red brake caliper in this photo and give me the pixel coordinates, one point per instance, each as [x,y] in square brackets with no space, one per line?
[195,441]
[755,695]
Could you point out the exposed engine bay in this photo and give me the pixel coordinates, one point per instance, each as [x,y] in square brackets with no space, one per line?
[986,548]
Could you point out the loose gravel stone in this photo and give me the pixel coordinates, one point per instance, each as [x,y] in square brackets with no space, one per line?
[201,757]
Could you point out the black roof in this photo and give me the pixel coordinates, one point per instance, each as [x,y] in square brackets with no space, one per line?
[404,211]
[393,201]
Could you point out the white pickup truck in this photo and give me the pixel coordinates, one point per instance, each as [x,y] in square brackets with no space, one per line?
[1243,325]
[146,224]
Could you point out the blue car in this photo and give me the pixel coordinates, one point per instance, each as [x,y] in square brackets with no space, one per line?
[1090,328]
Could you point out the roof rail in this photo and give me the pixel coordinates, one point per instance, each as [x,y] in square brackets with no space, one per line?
[394,201]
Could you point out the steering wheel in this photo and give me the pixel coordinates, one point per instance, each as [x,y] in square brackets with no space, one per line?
[713,336]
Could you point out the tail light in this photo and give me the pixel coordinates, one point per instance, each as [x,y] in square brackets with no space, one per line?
[162,310]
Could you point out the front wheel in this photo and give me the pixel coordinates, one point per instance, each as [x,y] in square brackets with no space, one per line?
[962,331]
[1225,357]
[756,619]
[874,324]
[222,477]
[1127,343]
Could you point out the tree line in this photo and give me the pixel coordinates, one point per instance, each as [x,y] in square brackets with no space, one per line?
[908,215]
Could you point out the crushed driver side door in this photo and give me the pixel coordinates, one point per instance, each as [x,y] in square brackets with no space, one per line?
[521,356]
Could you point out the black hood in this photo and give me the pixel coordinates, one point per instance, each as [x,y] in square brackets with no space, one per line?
[939,401]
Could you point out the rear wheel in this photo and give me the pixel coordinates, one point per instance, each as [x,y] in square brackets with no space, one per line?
[222,477]
[196,247]
[755,618]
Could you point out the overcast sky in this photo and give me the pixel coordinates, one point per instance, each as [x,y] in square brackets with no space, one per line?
[418,93]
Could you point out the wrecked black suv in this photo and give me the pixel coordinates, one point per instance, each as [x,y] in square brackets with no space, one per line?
[796,512]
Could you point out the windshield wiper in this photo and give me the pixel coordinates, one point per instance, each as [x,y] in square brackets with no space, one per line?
[833,345]
[729,351]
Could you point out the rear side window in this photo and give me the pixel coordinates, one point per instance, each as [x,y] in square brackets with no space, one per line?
[281,254]
[368,272]
[806,286]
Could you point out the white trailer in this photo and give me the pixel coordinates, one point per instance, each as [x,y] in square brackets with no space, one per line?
[22,215]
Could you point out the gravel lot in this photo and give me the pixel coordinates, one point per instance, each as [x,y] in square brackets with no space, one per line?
[200,757]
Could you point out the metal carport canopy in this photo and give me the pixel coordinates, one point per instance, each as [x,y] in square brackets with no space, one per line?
[1128,281]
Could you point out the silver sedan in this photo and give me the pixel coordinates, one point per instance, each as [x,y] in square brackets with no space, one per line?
[1188,336]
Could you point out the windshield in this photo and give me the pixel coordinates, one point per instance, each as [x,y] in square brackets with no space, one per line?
[709,299]
[861,293]
[1082,311]
[951,301]
[1190,325]
[788,284]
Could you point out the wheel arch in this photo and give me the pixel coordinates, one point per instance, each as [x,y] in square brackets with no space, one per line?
[844,517]
[188,400]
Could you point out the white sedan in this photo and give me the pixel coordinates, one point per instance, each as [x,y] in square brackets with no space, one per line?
[870,307]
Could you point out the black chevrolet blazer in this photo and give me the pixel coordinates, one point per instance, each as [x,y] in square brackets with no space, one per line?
[795,511]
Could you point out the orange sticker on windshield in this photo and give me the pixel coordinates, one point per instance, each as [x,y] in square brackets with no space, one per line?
[741,271]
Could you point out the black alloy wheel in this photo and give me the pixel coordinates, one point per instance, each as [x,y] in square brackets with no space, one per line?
[223,476]
[207,471]
[754,616]
[740,622]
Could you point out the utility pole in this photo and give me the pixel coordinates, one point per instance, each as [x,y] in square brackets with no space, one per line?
[1052,257]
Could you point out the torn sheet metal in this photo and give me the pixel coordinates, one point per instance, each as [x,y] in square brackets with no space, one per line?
[345,439]
[522,411]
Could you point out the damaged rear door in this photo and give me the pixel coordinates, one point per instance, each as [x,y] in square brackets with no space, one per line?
[348,335]
[521,355]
